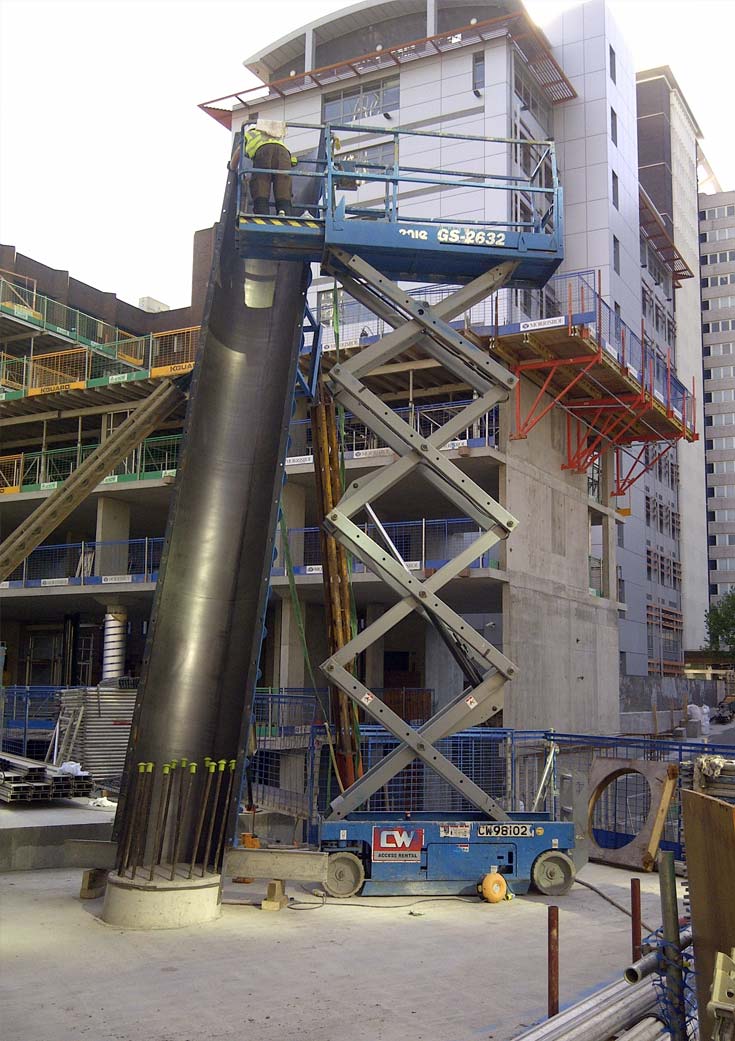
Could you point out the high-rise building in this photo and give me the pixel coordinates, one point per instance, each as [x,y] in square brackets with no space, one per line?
[717,249]
[578,582]
[669,503]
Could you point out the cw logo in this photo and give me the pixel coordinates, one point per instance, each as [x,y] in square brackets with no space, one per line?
[397,839]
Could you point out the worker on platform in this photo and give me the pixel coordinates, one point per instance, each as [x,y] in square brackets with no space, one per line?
[265,146]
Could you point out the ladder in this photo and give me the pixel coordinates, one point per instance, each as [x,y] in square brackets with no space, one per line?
[65,734]
[426,328]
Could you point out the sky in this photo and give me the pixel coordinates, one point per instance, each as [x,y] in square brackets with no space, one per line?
[107,166]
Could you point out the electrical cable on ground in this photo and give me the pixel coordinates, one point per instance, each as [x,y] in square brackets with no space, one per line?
[303,905]
[609,899]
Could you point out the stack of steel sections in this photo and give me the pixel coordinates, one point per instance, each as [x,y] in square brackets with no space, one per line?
[27,780]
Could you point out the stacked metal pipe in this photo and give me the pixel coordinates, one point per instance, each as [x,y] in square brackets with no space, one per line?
[152,841]
[612,1011]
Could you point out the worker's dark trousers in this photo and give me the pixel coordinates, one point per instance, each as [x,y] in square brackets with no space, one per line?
[272,157]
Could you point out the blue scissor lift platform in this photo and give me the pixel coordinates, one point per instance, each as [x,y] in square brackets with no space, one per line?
[368,246]
[409,248]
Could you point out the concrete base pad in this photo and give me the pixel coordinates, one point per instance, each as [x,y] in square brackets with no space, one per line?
[161,904]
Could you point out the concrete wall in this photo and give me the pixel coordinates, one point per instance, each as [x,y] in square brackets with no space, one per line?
[564,640]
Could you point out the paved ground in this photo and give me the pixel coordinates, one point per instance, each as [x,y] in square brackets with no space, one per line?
[436,971]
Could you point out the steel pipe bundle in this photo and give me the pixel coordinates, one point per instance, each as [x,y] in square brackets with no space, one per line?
[610,1011]
[152,840]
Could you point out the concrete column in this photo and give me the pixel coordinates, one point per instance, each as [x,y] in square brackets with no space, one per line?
[431,27]
[113,526]
[115,638]
[441,670]
[309,50]
[374,653]
[289,662]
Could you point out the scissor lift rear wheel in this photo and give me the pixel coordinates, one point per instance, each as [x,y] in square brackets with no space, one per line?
[553,873]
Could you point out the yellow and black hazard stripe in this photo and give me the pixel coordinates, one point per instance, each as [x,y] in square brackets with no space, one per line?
[294,222]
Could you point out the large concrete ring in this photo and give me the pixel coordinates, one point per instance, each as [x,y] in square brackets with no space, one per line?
[140,904]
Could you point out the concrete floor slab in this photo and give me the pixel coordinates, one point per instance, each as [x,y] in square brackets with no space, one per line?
[54,813]
[367,970]
[36,834]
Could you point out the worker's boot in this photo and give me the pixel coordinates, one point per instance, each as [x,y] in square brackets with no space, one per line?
[260,205]
[284,208]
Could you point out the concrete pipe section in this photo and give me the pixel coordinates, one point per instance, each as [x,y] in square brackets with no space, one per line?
[200,664]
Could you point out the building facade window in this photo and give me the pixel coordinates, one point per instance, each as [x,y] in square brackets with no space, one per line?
[615,191]
[478,70]
[613,126]
[727,325]
[719,350]
[710,281]
[616,255]
[717,212]
[726,257]
[717,302]
[530,94]
[381,156]
[717,235]
[361,102]
[722,419]
[613,66]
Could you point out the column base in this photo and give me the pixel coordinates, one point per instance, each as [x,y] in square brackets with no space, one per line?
[161,904]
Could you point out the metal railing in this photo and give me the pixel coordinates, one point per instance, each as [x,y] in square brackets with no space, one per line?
[422,543]
[20,299]
[359,439]
[159,456]
[571,299]
[155,354]
[28,716]
[154,458]
[89,563]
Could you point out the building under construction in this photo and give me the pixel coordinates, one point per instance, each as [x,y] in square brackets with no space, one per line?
[335,579]
[598,443]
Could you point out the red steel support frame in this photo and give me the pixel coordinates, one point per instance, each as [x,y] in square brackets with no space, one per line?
[599,423]
[638,467]
[524,426]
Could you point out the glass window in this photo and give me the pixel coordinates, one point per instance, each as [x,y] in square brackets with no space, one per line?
[478,70]
[615,191]
[614,126]
[616,255]
[529,93]
[361,102]
[613,66]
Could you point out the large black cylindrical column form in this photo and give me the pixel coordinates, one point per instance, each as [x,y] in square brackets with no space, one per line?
[201,658]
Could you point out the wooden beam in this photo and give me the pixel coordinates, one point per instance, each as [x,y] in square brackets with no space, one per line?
[709,833]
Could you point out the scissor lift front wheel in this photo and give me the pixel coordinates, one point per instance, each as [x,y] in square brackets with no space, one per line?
[345,875]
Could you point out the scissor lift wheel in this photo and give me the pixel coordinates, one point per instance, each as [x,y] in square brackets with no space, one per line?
[553,873]
[345,875]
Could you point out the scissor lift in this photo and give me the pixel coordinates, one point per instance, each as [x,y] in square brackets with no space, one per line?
[366,249]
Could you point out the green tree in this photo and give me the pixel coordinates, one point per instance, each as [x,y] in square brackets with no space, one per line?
[720,623]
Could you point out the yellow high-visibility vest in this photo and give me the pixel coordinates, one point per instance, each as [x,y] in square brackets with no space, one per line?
[255,139]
